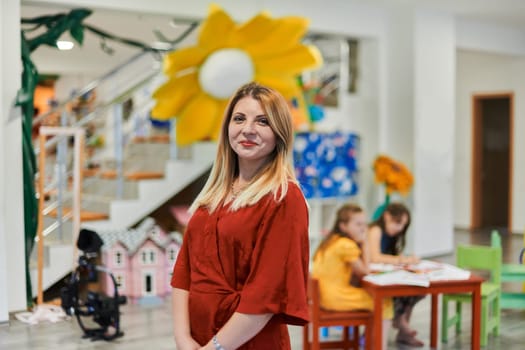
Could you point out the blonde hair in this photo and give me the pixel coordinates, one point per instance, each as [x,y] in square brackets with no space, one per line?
[273,177]
[344,214]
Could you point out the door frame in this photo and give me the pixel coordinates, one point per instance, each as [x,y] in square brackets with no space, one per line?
[475,193]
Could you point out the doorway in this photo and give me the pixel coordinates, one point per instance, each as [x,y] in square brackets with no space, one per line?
[492,130]
[148,286]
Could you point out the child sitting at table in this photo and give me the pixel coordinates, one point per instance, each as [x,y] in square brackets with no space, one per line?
[386,241]
[340,262]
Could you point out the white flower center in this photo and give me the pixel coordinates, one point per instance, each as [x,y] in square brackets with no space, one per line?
[224,71]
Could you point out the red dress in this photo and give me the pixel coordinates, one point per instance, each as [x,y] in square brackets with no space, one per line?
[253,261]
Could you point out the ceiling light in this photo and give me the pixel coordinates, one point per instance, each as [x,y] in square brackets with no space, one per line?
[159,45]
[65,44]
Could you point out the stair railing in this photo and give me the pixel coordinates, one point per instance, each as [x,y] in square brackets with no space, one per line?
[57,188]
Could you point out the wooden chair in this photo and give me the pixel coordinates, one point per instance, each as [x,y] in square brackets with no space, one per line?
[510,273]
[322,318]
[477,258]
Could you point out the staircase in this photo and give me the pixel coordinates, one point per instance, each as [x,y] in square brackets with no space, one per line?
[136,170]
[145,195]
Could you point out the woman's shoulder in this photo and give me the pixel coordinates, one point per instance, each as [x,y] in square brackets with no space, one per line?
[294,194]
[295,191]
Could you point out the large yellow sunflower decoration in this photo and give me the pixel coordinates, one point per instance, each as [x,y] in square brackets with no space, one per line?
[228,55]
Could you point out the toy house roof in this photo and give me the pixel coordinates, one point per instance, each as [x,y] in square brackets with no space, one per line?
[133,239]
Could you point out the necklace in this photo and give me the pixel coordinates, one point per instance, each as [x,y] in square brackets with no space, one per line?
[235,193]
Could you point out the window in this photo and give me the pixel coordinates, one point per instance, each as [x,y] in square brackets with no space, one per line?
[149,256]
[119,258]
[172,254]
[152,257]
[120,282]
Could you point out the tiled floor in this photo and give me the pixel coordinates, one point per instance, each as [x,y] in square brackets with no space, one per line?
[151,328]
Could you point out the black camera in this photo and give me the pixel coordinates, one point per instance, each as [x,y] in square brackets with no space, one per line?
[79,301]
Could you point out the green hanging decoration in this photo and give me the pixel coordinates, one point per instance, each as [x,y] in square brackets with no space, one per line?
[56,25]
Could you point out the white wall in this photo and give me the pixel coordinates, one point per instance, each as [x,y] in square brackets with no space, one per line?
[434,109]
[12,264]
[479,36]
[479,72]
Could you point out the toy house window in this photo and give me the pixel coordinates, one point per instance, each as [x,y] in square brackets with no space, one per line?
[152,257]
[149,256]
[172,255]
[119,259]
[120,281]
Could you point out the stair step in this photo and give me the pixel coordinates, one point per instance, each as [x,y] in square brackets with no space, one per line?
[132,175]
[144,175]
[164,138]
[90,172]
[85,215]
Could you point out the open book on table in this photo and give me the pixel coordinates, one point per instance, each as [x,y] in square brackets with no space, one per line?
[420,274]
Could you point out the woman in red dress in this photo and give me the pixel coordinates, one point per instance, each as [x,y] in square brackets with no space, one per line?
[241,274]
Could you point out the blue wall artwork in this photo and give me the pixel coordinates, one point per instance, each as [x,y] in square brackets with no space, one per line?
[326,163]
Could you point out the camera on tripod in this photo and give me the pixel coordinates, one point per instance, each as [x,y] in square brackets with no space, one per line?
[104,309]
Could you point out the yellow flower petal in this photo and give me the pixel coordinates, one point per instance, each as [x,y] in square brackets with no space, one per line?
[183,58]
[197,119]
[286,85]
[216,30]
[255,30]
[173,95]
[216,130]
[291,62]
[286,33]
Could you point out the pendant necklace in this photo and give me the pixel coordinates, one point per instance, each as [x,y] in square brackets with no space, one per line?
[234,193]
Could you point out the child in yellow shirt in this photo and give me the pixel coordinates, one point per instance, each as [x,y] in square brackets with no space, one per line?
[341,258]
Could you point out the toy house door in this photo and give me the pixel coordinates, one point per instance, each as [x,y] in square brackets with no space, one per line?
[148,283]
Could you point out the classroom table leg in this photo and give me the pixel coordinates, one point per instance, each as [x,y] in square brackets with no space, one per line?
[476,317]
[434,321]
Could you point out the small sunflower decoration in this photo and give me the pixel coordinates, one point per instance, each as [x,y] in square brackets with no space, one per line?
[201,78]
[394,175]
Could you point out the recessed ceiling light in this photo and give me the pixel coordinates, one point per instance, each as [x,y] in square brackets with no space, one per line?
[160,45]
[65,44]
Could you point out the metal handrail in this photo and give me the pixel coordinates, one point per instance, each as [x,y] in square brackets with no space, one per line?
[101,108]
[92,85]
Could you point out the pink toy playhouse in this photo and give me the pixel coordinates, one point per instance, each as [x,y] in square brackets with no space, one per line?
[141,260]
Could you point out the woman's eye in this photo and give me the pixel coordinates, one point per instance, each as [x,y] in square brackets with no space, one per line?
[264,121]
[238,118]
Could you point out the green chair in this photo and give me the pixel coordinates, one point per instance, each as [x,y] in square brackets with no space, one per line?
[510,273]
[476,258]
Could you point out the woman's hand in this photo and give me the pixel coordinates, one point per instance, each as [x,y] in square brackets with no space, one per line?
[187,343]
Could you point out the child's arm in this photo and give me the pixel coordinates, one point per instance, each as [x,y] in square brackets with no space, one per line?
[359,268]
[365,252]
[374,247]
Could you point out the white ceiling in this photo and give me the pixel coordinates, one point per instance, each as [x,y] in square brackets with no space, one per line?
[91,60]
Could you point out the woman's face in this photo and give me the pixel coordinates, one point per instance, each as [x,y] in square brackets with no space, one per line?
[249,132]
[394,226]
[356,227]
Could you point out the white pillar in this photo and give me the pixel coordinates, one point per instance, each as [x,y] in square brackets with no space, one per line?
[418,128]
[12,261]
[434,118]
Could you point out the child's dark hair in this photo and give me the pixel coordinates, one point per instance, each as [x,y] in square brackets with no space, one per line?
[344,214]
[396,211]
